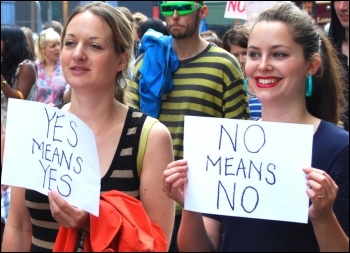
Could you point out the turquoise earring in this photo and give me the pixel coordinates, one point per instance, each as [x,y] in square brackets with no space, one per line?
[245,87]
[308,88]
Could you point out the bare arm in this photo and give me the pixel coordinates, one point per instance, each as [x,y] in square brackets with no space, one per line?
[322,192]
[18,229]
[159,207]
[26,79]
[196,233]
[330,236]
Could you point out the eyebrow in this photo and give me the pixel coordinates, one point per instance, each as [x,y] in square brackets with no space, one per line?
[273,47]
[91,38]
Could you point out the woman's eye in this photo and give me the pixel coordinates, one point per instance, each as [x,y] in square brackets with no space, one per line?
[253,54]
[94,46]
[68,43]
[279,55]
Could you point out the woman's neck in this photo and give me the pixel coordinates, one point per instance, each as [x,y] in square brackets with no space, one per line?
[294,116]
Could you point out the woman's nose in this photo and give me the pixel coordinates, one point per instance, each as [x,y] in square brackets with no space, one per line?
[264,65]
[79,53]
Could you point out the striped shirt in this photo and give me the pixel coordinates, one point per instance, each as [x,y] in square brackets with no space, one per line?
[122,175]
[209,84]
[255,108]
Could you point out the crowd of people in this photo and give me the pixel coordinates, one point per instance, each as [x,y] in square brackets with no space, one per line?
[133,79]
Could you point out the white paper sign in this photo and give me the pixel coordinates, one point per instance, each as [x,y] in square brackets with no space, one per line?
[236,9]
[47,149]
[247,168]
[254,8]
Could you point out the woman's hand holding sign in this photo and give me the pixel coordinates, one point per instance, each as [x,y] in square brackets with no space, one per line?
[174,178]
[322,192]
[67,215]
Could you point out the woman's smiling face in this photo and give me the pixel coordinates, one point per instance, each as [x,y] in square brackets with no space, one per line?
[276,66]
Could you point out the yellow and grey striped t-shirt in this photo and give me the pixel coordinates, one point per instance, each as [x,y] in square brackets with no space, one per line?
[209,84]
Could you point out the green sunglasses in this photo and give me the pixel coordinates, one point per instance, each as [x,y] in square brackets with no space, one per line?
[182,8]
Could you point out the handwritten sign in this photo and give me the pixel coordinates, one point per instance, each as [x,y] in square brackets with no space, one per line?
[47,149]
[247,168]
[254,8]
[235,9]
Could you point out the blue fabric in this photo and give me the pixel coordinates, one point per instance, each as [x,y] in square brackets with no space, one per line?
[159,62]
[255,108]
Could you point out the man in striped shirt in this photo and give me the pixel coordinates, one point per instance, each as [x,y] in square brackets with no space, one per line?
[208,81]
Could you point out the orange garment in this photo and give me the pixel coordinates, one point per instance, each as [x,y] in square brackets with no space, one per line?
[122,225]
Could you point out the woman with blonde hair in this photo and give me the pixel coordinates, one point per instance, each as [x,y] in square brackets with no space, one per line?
[50,83]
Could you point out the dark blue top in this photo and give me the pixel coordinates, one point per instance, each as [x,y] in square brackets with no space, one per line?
[331,154]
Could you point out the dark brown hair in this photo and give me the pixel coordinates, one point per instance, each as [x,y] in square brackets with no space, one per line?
[327,101]
[237,35]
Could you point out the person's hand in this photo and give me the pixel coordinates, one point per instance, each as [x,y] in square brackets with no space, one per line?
[174,178]
[322,191]
[66,214]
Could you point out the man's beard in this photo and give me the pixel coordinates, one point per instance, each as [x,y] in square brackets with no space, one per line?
[191,30]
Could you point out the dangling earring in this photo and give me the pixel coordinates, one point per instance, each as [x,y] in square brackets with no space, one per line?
[245,87]
[308,88]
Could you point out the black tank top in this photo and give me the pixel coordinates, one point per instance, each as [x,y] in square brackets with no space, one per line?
[122,176]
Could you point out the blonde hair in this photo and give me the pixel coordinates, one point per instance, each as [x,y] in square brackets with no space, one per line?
[48,35]
[139,19]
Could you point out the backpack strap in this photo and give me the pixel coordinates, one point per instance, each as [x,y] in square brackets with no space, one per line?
[149,122]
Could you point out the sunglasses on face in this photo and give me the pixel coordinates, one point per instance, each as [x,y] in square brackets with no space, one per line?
[182,8]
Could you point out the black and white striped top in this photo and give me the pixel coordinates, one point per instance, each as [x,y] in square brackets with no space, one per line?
[122,175]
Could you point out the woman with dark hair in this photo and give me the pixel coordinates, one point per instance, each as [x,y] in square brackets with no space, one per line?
[235,41]
[18,72]
[18,76]
[294,73]
[339,34]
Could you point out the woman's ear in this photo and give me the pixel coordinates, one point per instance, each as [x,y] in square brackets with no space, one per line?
[314,64]
[121,62]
